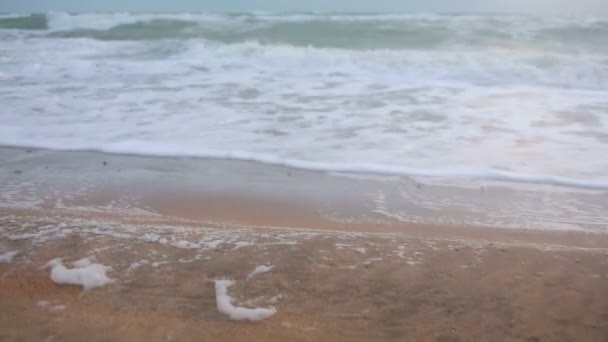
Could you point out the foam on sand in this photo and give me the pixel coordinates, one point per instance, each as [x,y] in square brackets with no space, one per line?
[84,262]
[45,304]
[260,269]
[85,273]
[7,257]
[225,306]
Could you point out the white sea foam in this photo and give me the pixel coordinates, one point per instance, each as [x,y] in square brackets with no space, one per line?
[45,304]
[528,107]
[84,262]
[84,273]
[260,269]
[225,306]
[7,257]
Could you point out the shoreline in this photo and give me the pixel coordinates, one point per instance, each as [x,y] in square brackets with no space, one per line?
[209,189]
[346,258]
[502,178]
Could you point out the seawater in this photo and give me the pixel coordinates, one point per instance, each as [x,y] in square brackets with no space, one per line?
[503,97]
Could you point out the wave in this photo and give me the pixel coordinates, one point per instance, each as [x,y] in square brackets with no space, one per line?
[497,175]
[401,94]
[489,67]
[318,34]
[349,31]
[149,30]
[29,22]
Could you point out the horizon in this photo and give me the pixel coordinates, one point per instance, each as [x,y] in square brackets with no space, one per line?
[550,7]
[296,12]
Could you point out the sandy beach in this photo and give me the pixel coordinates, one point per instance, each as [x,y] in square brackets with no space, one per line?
[304,171]
[349,257]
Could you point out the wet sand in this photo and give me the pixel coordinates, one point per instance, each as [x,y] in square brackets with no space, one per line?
[333,286]
[342,270]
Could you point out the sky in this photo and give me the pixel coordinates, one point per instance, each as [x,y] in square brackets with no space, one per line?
[575,7]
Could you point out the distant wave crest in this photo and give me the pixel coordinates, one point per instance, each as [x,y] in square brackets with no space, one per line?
[325,30]
[29,22]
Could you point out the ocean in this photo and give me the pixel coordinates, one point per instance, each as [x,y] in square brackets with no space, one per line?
[514,98]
